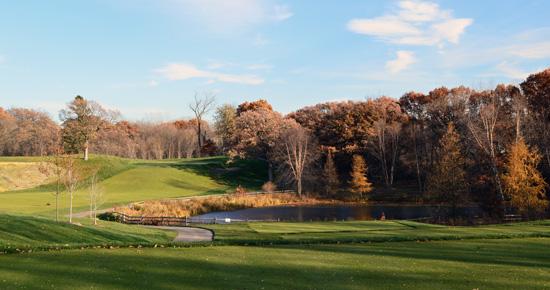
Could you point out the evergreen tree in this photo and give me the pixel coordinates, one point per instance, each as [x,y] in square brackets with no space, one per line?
[359,183]
[330,175]
[447,183]
[523,183]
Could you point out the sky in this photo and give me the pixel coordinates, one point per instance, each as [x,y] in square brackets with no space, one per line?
[148,59]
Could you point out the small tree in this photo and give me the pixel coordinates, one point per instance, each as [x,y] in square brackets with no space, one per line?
[54,167]
[523,183]
[448,179]
[359,183]
[71,179]
[330,175]
[96,196]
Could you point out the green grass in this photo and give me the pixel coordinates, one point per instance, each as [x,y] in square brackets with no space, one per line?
[126,181]
[470,264]
[367,231]
[19,233]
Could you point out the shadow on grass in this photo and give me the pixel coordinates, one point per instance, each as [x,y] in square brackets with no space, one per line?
[250,174]
[387,266]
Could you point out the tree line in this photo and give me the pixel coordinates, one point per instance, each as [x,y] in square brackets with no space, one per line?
[454,145]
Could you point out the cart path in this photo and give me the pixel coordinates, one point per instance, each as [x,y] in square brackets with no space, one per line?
[189,234]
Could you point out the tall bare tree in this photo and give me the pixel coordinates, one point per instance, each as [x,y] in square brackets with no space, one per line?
[482,124]
[200,107]
[296,152]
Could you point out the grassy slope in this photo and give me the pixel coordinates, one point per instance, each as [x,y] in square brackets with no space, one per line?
[367,231]
[127,180]
[23,232]
[471,264]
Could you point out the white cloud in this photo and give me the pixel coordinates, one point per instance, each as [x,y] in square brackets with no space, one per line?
[182,71]
[153,83]
[511,71]
[403,61]
[413,23]
[229,16]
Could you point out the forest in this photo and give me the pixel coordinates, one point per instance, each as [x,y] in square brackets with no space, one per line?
[451,145]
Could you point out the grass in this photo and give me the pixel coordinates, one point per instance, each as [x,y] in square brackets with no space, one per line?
[470,264]
[126,181]
[23,233]
[21,175]
[367,231]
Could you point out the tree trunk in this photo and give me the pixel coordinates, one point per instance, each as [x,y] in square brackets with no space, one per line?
[71,208]
[86,145]
[269,171]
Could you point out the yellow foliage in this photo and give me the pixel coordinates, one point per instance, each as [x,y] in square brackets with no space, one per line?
[522,182]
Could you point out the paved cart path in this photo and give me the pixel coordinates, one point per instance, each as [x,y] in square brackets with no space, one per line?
[188,234]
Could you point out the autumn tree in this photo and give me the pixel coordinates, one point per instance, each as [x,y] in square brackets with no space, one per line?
[523,183]
[260,104]
[256,135]
[200,107]
[536,89]
[331,180]
[448,181]
[82,119]
[359,184]
[224,123]
[389,120]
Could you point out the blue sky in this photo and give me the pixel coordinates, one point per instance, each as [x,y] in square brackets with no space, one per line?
[148,58]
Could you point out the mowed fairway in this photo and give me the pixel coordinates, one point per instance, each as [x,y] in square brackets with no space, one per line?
[125,181]
[471,264]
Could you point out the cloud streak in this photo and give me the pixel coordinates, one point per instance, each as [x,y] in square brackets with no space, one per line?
[413,23]
[230,16]
[183,71]
[403,61]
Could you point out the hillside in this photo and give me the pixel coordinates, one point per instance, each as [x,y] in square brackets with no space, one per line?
[128,180]
[20,233]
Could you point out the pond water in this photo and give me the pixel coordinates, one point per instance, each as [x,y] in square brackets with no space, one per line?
[338,212]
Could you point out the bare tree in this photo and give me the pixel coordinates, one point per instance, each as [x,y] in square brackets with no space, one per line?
[200,107]
[71,179]
[296,152]
[54,167]
[96,196]
[482,123]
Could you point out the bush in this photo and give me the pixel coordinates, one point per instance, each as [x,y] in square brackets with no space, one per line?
[269,187]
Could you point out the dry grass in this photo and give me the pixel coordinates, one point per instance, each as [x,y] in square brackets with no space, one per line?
[22,175]
[197,206]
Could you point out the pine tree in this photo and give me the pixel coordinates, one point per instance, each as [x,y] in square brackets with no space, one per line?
[447,183]
[330,175]
[359,183]
[523,183]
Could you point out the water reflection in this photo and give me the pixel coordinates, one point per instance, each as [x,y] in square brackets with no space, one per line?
[338,212]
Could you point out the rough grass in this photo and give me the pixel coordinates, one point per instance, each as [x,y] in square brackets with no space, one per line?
[21,175]
[470,264]
[23,233]
[197,206]
[125,181]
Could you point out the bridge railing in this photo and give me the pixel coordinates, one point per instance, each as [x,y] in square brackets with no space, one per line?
[176,221]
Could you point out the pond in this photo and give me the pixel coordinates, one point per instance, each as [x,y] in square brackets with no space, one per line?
[338,212]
